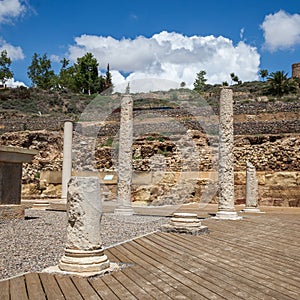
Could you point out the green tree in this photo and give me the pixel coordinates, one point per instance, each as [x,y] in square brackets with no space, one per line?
[101,84]
[5,72]
[182,84]
[86,74]
[235,78]
[108,82]
[66,77]
[279,84]
[263,74]
[200,81]
[40,72]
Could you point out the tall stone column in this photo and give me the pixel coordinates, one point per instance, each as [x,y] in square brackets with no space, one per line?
[67,158]
[226,208]
[125,157]
[84,252]
[251,189]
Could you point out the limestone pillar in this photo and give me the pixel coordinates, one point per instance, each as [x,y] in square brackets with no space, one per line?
[125,157]
[226,208]
[251,189]
[84,252]
[67,158]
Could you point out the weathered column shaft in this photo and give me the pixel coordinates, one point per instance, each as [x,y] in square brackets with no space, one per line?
[251,187]
[84,252]
[226,171]
[67,158]
[226,208]
[125,157]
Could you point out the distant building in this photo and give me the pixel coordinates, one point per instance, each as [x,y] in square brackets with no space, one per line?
[296,70]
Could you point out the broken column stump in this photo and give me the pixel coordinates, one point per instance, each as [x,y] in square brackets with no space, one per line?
[251,190]
[84,252]
[187,223]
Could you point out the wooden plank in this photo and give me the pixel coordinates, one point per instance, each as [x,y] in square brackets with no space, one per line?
[68,288]
[162,280]
[280,277]
[51,287]
[208,278]
[34,286]
[153,285]
[102,289]
[145,284]
[85,289]
[220,273]
[282,264]
[264,283]
[4,290]
[177,263]
[18,289]
[120,291]
[189,288]
[131,286]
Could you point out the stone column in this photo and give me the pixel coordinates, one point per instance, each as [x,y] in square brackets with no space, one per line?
[125,157]
[84,252]
[226,208]
[67,158]
[251,189]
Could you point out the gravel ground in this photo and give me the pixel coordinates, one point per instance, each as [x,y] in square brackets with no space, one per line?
[37,242]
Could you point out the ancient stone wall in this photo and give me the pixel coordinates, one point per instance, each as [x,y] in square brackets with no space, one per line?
[31,123]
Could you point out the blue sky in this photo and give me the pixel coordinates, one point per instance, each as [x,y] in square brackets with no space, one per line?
[171,39]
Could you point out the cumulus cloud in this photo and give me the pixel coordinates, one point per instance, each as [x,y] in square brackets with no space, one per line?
[281,30]
[13,52]
[171,56]
[10,9]
[13,84]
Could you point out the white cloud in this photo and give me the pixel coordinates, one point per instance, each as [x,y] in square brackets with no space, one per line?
[54,58]
[10,9]
[281,30]
[13,52]
[13,84]
[171,56]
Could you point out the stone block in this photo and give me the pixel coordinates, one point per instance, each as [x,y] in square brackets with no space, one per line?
[10,212]
[282,179]
[239,178]
[51,177]
[10,183]
[52,191]
[141,194]
[294,203]
[141,178]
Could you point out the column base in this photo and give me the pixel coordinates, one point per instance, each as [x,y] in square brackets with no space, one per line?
[80,261]
[187,223]
[124,211]
[252,210]
[227,215]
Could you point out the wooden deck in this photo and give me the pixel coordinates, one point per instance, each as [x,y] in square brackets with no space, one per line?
[255,258]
